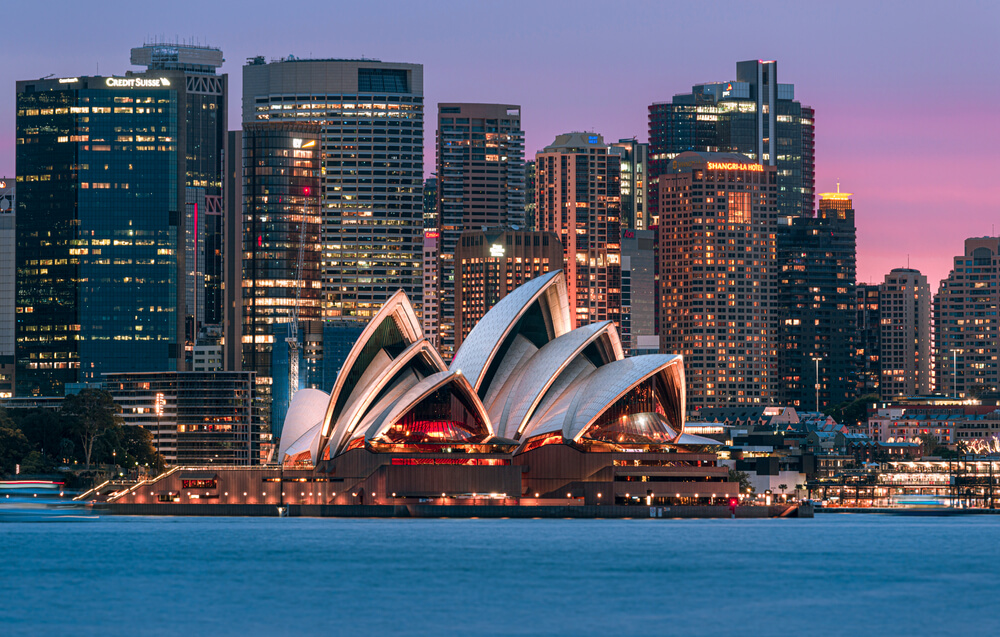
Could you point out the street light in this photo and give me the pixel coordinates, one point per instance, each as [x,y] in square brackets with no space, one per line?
[817,359]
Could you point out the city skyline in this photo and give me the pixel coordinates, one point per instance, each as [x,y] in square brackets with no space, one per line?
[882,124]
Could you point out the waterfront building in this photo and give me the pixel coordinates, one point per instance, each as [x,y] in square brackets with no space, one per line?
[480,172]
[492,263]
[816,318]
[752,115]
[905,356]
[7,287]
[718,263]
[868,343]
[196,418]
[282,279]
[966,323]
[639,292]
[632,183]
[529,410]
[578,199]
[119,190]
[372,118]
[429,316]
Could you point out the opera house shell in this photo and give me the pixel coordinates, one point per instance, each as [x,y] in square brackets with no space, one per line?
[522,383]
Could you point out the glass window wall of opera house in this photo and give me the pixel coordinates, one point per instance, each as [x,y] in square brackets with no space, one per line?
[529,411]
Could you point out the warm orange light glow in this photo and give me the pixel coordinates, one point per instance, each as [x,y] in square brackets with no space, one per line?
[836,195]
[731,165]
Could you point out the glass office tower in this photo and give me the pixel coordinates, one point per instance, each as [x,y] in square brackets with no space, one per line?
[752,115]
[120,198]
[281,259]
[372,118]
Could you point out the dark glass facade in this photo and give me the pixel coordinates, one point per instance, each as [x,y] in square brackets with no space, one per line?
[816,298]
[281,226]
[752,115]
[100,190]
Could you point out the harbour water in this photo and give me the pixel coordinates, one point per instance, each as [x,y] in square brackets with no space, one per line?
[832,575]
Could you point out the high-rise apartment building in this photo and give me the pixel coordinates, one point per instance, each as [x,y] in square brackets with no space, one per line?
[632,183]
[718,262]
[530,207]
[372,119]
[480,172]
[752,115]
[578,199]
[491,263]
[119,195]
[868,344]
[966,323]
[816,306]
[7,287]
[282,279]
[639,291]
[905,357]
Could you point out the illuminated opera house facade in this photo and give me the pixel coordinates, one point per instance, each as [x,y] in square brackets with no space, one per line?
[529,410]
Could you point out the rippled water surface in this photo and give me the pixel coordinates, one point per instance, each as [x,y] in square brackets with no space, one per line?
[836,574]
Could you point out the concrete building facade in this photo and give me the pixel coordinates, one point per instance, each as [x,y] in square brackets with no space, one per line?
[372,119]
[905,357]
[480,172]
[577,198]
[966,323]
[718,262]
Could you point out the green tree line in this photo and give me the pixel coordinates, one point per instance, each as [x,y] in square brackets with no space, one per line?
[86,430]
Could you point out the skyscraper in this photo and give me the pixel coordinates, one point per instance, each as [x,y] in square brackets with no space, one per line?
[905,307]
[282,282]
[753,115]
[7,243]
[718,226]
[868,344]
[632,183]
[429,315]
[372,118]
[578,199]
[816,306]
[480,172]
[491,263]
[966,323]
[639,291]
[119,200]
[430,202]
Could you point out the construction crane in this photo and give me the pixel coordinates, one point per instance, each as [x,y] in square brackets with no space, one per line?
[293,327]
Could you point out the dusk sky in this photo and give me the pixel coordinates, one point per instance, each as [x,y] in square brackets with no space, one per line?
[907,94]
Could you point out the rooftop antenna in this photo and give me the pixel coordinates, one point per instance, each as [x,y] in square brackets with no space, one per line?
[838,185]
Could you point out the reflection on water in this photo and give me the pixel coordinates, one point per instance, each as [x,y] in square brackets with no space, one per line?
[836,574]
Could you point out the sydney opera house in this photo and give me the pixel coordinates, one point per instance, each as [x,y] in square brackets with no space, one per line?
[529,410]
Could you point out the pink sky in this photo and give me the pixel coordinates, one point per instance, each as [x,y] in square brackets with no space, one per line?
[906,93]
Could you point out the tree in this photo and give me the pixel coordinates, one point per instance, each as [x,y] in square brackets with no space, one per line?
[782,487]
[743,478]
[92,413]
[14,446]
[43,428]
[852,412]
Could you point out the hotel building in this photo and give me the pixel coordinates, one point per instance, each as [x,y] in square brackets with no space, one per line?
[480,173]
[816,306]
[372,119]
[639,292]
[752,115]
[490,264]
[578,199]
[282,280]
[718,262]
[118,245]
[966,323]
